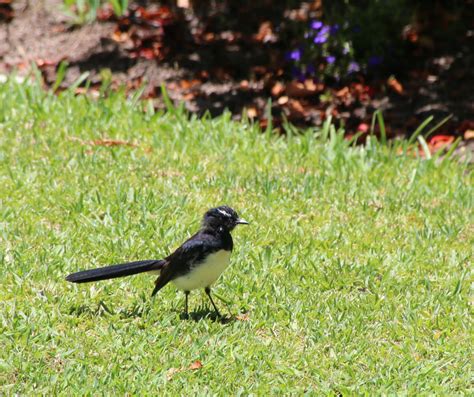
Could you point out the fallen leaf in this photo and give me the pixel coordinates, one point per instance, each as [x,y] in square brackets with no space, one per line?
[242,317]
[468,134]
[265,33]
[103,142]
[244,84]
[438,142]
[195,365]
[45,62]
[310,85]
[192,367]
[147,53]
[395,85]
[171,372]
[342,92]
[295,89]
[277,89]
[296,108]
[252,112]
[89,91]
[119,36]
[282,100]
[183,3]
[186,84]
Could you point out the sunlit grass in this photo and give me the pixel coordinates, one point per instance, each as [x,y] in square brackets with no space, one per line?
[352,278]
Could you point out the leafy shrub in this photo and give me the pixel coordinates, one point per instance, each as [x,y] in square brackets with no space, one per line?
[355,36]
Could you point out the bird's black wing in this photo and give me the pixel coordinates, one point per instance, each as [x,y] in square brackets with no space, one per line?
[193,251]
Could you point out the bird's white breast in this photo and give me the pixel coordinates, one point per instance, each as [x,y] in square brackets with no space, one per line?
[202,275]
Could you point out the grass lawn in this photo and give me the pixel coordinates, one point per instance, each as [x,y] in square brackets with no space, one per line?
[353,277]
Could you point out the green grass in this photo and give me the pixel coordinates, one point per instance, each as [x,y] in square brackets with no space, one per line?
[353,277]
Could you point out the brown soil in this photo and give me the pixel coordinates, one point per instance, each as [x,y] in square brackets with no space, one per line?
[40,33]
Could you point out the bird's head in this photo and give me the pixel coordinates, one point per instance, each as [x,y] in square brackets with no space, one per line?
[222,217]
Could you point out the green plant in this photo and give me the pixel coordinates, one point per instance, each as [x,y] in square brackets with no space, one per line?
[85,11]
[354,36]
[119,6]
[81,11]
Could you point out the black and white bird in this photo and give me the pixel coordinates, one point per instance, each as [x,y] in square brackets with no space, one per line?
[196,264]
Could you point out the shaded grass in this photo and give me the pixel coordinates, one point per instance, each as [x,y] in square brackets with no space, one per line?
[352,278]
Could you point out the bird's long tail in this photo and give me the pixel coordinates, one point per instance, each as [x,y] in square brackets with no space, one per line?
[114,271]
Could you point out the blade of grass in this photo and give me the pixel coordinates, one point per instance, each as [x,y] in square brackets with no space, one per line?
[74,86]
[425,147]
[60,74]
[135,97]
[419,130]
[440,124]
[451,149]
[166,99]
[380,120]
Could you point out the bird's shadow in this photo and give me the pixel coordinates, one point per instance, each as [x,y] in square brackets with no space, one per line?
[139,310]
[205,314]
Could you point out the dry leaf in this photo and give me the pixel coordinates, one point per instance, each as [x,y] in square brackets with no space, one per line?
[265,33]
[277,89]
[103,142]
[282,100]
[252,112]
[296,89]
[342,92]
[468,134]
[195,365]
[171,372]
[439,142]
[244,84]
[296,108]
[192,367]
[395,85]
[183,3]
[242,317]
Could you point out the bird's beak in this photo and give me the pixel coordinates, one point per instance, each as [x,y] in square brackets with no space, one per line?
[241,221]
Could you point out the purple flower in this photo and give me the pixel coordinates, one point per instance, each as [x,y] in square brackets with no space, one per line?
[320,38]
[331,59]
[334,29]
[322,35]
[375,60]
[346,50]
[325,29]
[316,25]
[353,67]
[294,55]
[297,73]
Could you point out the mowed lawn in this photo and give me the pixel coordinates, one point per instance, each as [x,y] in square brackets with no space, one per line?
[353,277]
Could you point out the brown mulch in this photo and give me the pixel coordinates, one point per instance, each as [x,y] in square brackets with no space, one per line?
[228,72]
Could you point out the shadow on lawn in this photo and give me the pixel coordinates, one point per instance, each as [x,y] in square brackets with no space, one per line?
[141,309]
[204,314]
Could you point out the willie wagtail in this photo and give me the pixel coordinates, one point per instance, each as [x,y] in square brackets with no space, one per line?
[196,264]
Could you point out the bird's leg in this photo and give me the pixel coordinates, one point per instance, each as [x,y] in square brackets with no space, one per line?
[186,294]
[208,293]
